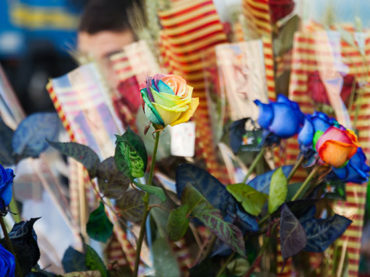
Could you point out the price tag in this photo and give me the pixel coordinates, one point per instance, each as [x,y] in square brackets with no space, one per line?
[183,139]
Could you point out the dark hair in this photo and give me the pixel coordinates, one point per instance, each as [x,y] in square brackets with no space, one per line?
[106,15]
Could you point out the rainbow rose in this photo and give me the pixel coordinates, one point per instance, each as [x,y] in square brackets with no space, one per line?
[336,145]
[168,100]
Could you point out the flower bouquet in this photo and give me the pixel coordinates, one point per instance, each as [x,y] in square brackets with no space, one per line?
[243,220]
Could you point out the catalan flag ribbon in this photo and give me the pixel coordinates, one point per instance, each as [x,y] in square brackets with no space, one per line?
[189,29]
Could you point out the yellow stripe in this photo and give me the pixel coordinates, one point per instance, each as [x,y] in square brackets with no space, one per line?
[199,44]
[195,35]
[32,17]
[258,5]
[185,27]
[186,16]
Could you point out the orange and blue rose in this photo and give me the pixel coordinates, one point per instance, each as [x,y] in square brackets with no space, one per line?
[356,170]
[6,183]
[334,144]
[282,118]
[168,100]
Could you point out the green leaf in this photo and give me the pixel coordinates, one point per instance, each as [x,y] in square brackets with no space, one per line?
[157,191]
[238,267]
[131,205]
[81,153]
[94,262]
[284,41]
[99,226]
[278,190]
[212,218]
[165,262]
[178,223]
[73,260]
[112,183]
[292,235]
[252,200]
[130,155]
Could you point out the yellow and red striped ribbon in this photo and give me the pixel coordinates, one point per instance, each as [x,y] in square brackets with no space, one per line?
[257,13]
[189,29]
[121,236]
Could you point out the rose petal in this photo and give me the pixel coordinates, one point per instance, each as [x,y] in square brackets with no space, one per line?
[285,122]
[169,114]
[266,114]
[168,100]
[188,114]
[335,134]
[336,153]
[306,134]
[153,115]
[162,87]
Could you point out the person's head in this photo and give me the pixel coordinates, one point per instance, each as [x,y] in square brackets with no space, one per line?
[104,27]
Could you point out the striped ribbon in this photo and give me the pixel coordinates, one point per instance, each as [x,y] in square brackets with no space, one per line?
[189,29]
[257,14]
[127,248]
[304,62]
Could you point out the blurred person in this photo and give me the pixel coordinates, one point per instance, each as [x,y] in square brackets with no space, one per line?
[104,27]
[104,30]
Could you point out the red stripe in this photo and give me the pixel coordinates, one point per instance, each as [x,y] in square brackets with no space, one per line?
[184,11]
[196,28]
[214,33]
[190,20]
[199,49]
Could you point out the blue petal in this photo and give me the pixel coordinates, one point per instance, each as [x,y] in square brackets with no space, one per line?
[6,193]
[306,133]
[285,122]
[266,114]
[163,87]
[283,99]
[320,122]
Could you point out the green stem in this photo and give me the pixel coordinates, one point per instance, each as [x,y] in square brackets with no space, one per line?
[10,246]
[13,207]
[223,267]
[150,179]
[306,182]
[254,164]
[140,242]
[147,208]
[296,166]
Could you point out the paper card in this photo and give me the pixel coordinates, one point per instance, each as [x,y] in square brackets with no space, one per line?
[183,139]
[88,109]
[242,75]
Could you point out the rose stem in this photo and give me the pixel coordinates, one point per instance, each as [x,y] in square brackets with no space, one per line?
[296,166]
[306,182]
[10,246]
[147,208]
[254,164]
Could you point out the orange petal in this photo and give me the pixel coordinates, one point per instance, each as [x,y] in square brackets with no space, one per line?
[336,153]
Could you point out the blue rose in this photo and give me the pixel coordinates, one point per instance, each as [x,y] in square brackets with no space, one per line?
[6,182]
[7,263]
[313,123]
[282,118]
[356,170]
